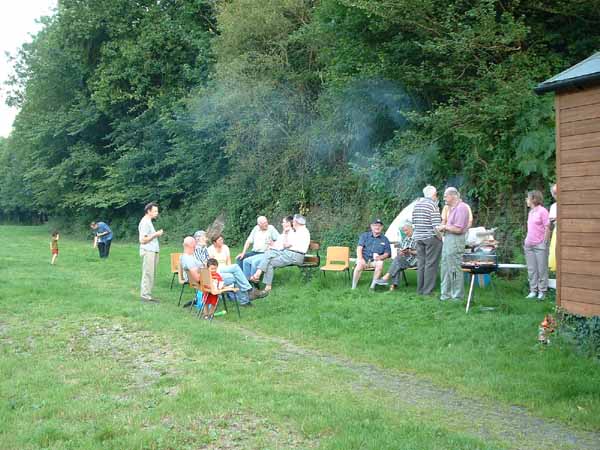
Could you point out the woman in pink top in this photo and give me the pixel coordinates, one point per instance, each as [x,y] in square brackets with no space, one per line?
[536,245]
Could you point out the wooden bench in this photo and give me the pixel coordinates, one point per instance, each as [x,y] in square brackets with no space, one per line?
[312,260]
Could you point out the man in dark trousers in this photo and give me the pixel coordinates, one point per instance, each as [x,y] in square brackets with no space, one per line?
[102,238]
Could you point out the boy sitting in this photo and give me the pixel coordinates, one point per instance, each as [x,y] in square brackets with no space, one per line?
[211,299]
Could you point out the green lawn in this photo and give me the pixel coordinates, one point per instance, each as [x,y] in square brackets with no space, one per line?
[85,365]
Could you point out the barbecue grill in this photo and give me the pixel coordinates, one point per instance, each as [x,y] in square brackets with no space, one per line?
[477,261]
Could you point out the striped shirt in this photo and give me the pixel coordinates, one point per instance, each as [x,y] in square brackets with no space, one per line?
[408,243]
[425,217]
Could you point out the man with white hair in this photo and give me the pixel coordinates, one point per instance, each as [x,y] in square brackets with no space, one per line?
[425,219]
[292,254]
[260,237]
[455,231]
[406,257]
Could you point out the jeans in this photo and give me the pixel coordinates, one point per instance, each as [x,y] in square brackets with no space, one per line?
[233,275]
[240,261]
[251,264]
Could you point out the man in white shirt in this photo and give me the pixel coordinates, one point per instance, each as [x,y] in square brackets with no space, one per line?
[292,254]
[260,237]
[149,248]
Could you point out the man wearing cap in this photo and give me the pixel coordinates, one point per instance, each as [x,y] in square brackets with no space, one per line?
[232,274]
[292,253]
[373,248]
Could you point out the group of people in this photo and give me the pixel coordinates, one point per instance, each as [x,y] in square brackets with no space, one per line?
[435,239]
[432,239]
[427,238]
[265,250]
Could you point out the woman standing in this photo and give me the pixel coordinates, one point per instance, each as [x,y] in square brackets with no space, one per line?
[536,245]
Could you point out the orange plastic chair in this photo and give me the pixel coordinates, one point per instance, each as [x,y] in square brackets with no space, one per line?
[338,260]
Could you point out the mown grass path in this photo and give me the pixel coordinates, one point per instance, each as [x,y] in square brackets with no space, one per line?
[83,364]
[514,426]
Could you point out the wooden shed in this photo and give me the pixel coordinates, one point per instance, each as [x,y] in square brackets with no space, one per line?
[577,104]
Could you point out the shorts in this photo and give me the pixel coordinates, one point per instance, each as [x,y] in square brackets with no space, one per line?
[54,251]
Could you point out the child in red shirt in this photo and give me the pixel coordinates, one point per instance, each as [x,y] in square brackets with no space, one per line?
[210,299]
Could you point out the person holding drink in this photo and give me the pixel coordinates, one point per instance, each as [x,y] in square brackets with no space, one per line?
[372,250]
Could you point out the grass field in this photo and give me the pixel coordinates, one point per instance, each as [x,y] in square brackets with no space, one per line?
[85,365]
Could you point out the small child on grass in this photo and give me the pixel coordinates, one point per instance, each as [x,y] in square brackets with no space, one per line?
[211,299]
[54,246]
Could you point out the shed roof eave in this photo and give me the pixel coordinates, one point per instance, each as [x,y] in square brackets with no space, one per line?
[585,80]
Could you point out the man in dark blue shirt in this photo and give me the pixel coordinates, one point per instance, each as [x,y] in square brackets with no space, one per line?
[373,248]
[102,238]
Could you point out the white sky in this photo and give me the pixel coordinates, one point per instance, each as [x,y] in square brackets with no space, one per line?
[17,24]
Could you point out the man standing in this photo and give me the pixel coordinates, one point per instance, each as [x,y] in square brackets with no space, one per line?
[373,248]
[260,237]
[454,245]
[102,238]
[148,238]
[425,219]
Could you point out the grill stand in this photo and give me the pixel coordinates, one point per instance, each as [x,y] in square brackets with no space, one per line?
[470,291]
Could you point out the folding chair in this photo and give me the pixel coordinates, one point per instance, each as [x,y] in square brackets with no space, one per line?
[182,281]
[197,287]
[206,286]
[338,260]
[174,266]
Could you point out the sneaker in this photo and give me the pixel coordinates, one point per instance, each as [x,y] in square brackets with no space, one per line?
[532,295]
[246,305]
[541,295]
[150,300]
[381,282]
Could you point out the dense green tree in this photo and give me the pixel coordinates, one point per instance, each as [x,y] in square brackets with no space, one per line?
[338,108]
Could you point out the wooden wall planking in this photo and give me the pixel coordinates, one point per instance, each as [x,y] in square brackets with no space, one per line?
[579,212]
[580,169]
[591,197]
[582,309]
[581,253]
[580,141]
[574,99]
[580,267]
[580,127]
[581,183]
[578,156]
[580,239]
[578,179]
[583,112]
[579,225]
[581,281]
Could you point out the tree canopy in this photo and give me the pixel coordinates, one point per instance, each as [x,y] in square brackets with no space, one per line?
[341,109]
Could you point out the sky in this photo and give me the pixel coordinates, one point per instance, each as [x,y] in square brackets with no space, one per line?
[17,24]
